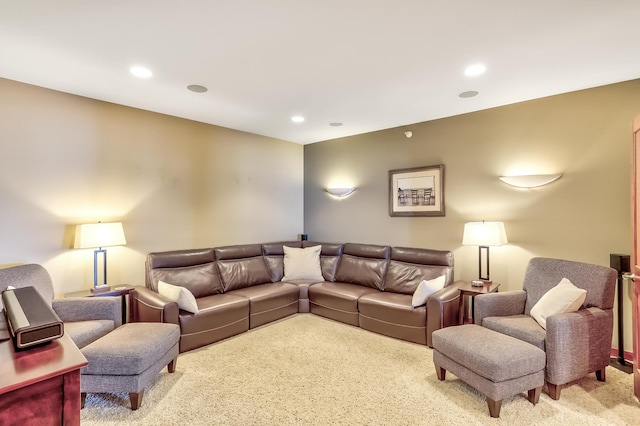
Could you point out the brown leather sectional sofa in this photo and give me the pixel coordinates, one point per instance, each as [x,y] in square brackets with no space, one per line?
[239,287]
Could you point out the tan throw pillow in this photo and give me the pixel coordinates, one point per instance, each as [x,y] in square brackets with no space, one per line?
[302,263]
[565,297]
[181,295]
[425,289]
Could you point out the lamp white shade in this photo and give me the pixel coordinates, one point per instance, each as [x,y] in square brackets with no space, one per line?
[93,235]
[484,234]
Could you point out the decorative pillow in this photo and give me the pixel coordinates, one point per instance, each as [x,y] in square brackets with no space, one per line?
[302,263]
[565,297]
[425,289]
[182,296]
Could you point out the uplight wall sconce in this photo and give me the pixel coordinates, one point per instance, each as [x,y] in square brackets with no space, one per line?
[530,181]
[99,235]
[340,192]
[484,234]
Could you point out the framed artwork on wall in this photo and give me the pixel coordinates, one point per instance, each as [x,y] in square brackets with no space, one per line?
[417,192]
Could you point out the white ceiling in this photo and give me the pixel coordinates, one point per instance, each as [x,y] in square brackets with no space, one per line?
[370,64]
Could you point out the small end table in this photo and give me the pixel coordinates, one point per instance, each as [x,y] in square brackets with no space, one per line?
[466,289]
[118,290]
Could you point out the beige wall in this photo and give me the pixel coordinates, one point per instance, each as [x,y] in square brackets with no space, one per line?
[584,216]
[174,183]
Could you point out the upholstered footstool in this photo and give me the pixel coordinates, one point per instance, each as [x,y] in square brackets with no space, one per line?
[128,358]
[495,364]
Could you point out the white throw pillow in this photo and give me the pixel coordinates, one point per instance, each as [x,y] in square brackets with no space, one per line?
[425,289]
[181,295]
[302,263]
[565,297]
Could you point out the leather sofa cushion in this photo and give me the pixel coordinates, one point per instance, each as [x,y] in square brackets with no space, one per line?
[340,296]
[392,308]
[362,271]
[214,312]
[201,280]
[268,296]
[242,273]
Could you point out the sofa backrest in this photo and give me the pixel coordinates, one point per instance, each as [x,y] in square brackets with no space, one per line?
[274,256]
[363,264]
[242,266]
[543,274]
[29,275]
[329,258]
[192,269]
[408,266]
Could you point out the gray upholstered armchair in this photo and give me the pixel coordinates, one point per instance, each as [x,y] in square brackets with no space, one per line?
[575,343]
[85,319]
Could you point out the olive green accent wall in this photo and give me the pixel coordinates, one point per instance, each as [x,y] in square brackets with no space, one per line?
[584,216]
[174,184]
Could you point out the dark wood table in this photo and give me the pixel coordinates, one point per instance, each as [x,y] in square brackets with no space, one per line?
[40,385]
[119,290]
[466,289]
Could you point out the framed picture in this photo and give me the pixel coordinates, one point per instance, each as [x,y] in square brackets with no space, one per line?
[417,192]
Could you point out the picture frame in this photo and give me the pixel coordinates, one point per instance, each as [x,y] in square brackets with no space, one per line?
[417,191]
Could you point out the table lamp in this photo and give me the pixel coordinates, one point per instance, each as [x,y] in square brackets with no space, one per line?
[99,235]
[484,234]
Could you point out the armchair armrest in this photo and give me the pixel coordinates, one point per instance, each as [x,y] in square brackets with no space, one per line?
[89,308]
[578,343]
[499,305]
[148,306]
[442,310]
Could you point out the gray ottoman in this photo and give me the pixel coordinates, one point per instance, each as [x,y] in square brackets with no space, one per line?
[495,364]
[128,358]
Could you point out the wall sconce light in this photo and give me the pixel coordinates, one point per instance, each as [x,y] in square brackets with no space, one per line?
[530,181]
[484,234]
[99,235]
[340,192]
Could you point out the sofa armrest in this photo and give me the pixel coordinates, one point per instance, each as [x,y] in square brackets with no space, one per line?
[442,310]
[578,343]
[148,306]
[498,305]
[75,309]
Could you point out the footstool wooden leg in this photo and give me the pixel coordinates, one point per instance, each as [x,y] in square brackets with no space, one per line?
[172,365]
[601,376]
[534,395]
[136,399]
[494,407]
[440,372]
[83,397]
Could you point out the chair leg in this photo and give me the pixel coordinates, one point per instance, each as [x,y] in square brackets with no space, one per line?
[494,407]
[83,397]
[554,391]
[600,375]
[172,365]
[534,395]
[136,399]
[440,372]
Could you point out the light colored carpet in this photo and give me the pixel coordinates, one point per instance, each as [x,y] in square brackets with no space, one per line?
[305,369]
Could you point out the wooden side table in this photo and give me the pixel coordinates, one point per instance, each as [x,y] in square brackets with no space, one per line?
[120,290]
[40,385]
[466,289]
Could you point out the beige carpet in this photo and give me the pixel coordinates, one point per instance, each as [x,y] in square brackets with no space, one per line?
[309,370]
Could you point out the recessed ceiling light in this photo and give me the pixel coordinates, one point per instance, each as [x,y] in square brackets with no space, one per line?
[474,70]
[335,124]
[468,94]
[297,119]
[141,72]
[197,88]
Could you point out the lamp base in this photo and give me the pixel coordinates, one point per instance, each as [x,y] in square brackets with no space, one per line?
[100,288]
